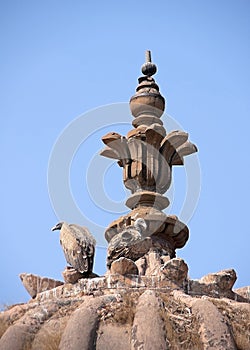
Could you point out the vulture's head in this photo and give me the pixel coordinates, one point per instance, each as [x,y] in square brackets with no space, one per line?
[141,225]
[57,226]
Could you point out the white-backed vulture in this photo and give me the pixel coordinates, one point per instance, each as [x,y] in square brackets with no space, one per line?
[78,246]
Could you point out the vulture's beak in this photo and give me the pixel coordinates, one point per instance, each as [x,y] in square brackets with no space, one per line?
[56,227]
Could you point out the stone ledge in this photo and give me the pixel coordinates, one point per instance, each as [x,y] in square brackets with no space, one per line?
[107,284]
[167,276]
[113,283]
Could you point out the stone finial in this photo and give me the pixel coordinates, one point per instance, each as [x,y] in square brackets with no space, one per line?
[147,155]
[148,68]
[147,103]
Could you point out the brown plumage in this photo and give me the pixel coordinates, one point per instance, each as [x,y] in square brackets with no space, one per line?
[78,246]
[129,243]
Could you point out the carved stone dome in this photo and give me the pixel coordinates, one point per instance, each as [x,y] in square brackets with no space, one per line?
[163,311]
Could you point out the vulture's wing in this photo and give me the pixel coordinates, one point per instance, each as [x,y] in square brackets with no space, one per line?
[78,246]
[132,248]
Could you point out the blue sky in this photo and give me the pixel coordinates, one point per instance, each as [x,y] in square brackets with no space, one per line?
[60,60]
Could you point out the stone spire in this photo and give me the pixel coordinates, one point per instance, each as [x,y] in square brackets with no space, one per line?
[147,155]
[146,299]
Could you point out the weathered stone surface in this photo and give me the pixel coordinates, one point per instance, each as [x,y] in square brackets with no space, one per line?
[180,324]
[175,269]
[216,285]
[244,292]
[150,264]
[35,284]
[152,272]
[237,315]
[124,266]
[94,313]
[224,279]
[21,333]
[80,332]
[49,336]
[113,336]
[8,317]
[70,275]
[17,337]
[214,332]
[165,258]
[148,327]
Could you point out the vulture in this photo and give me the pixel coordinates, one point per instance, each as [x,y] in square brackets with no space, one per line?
[78,246]
[129,243]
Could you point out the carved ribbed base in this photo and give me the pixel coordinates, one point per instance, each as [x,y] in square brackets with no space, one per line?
[120,312]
